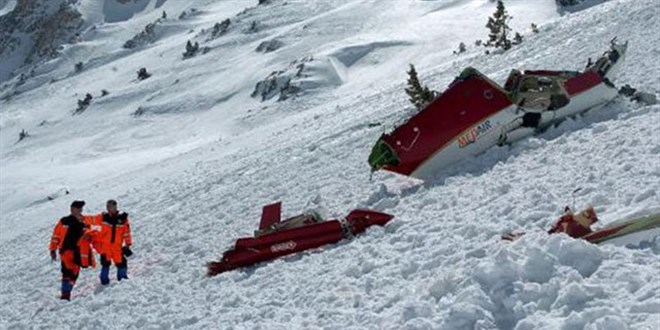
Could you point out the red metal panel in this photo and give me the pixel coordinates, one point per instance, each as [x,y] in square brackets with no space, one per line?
[604,232]
[463,105]
[250,250]
[270,215]
[582,82]
[286,235]
[250,256]
[361,219]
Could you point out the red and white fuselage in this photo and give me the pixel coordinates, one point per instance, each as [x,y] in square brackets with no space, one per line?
[474,114]
[277,238]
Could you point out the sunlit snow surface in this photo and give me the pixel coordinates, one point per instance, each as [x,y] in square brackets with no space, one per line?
[194,170]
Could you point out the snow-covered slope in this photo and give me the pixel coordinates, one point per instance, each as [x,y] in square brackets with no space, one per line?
[201,156]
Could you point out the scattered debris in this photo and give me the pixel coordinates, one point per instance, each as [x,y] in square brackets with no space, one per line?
[637,96]
[276,237]
[58,193]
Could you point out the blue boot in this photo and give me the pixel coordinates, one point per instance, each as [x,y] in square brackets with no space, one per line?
[122,273]
[105,275]
[66,290]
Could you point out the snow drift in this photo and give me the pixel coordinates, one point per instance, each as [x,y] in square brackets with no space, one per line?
[191,178]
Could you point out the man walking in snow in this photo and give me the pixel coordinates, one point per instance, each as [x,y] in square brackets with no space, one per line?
[67,238]
[115,241]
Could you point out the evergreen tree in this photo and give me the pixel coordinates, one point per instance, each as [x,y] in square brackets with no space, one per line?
[461,48]
[83,104]
[22,135]
[517,39]
[142,74]
[499,28]
[419,96]
[191,49]
[254,27]
[220,28]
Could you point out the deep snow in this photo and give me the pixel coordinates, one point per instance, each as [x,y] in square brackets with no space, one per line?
[194,170]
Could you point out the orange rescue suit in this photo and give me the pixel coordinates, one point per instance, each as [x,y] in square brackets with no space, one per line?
[89,239]
[81,241]
[115,232]
[74,239]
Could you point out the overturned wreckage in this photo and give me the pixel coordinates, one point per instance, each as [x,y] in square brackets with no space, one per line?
[474,114]
[277,238]
[579,226]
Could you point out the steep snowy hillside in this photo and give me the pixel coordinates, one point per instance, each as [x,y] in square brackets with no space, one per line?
[192,156]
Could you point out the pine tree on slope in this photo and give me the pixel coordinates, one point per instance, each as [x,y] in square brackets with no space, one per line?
[419,96]
[499,28]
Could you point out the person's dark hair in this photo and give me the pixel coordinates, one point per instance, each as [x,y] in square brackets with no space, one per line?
[112,201]
[78,204]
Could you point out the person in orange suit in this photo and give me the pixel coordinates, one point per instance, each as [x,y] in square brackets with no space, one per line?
[67,238]
[115,241]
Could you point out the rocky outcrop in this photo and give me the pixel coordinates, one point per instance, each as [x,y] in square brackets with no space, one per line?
[34,30]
